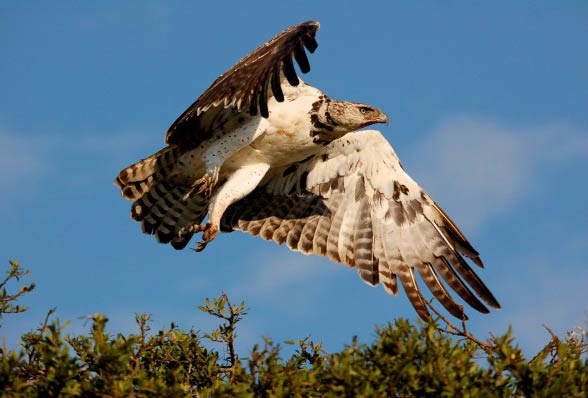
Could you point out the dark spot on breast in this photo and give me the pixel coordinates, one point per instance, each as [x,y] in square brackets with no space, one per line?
[324,157]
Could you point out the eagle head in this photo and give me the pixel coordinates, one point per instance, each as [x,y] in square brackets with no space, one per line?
[352,116]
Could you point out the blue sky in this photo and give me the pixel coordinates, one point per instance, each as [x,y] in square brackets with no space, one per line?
[489,112]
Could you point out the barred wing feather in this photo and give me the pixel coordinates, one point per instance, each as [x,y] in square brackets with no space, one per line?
[354,203]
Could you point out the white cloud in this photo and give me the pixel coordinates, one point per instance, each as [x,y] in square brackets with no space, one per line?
[477,168]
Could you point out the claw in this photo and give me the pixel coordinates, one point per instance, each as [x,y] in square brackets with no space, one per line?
[205,184]
[191,229]
[209,232]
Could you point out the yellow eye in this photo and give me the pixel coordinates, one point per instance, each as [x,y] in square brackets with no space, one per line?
[364,109]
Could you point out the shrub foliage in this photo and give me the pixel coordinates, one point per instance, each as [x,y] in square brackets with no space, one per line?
[404,360]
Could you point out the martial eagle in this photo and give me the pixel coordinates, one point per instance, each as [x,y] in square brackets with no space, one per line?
[261,151]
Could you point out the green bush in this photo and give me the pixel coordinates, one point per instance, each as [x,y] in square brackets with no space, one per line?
[405,360]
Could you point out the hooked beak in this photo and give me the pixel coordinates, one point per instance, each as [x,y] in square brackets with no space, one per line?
[382,118]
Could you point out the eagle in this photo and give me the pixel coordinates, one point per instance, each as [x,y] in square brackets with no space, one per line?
[261,151]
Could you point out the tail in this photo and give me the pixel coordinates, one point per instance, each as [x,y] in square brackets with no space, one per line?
[159,197]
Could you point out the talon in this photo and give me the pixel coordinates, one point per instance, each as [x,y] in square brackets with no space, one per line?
[199,186]
[199,247]
[191,229]
[204,185]
[209,233]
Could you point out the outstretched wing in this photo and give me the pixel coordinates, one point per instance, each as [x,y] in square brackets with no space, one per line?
[354,203]
[246,86]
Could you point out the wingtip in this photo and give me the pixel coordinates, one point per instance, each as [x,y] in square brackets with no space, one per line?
[494,304]
[312,23]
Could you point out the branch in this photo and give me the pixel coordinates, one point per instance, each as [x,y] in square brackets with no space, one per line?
[456,331]
[8,301]
[222,308]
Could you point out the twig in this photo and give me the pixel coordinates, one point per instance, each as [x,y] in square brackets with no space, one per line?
[231,332]
[456,331]
[41,330]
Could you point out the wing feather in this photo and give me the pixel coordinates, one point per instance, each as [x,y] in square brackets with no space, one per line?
[246,85]
[385,272]
[362,244]
[354,203]
[306,243]
[429,276]
[411,288]
[321,234]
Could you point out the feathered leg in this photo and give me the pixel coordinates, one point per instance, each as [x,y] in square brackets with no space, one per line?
[238,185]
[225,145]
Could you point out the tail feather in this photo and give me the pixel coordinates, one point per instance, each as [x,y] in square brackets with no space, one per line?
[160,202]
[135,190]
[160,163]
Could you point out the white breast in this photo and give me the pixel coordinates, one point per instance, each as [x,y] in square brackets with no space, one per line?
[288,139]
